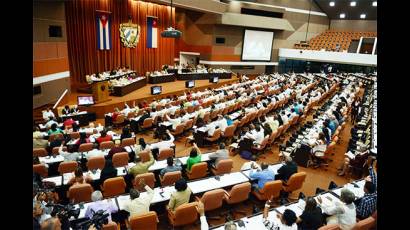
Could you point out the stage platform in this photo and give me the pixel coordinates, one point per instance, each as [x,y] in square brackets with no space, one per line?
[169,88]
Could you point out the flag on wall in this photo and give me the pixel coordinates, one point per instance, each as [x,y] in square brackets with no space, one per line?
[103,23]
[152,32]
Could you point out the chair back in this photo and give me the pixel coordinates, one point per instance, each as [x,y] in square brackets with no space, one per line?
[128,141]
[149,179]
[179,129]
[147,123]
[146,221]
[80,193]
[144,155]
[271,189]
[97,162]
[189,124]
[215,136]
[229,131]
[365,224]
[75,135]
[185,214]
[330,227]
[85,147]
[224,166]
[114,186]
[295,182]
[207,116]
[107,145]
[190,109]
[165,153]
[40,169]
[55,136]
[120,159]
[55,150]
[130,115]
[120,119]
[213,199]
[198,170]
[40,152]
[67,167]
[239,193]
[170,178]
[110,226]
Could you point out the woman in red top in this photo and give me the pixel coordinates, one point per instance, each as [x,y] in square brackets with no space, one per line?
[104,137]
[68,122]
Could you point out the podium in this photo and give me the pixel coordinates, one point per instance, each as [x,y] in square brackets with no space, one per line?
[100,91]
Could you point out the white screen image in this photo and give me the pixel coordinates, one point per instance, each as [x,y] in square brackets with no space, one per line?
[257,45]
[157,90]
[85,100]
[191,84]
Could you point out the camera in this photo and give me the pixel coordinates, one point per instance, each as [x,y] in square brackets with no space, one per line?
[64,213]
[99,219]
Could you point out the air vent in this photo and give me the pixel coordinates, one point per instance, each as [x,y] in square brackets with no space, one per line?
[37,90]
[220,40]
[261,13]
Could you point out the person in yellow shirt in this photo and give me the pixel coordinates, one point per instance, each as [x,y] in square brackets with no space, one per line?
[141,167]
[180,196]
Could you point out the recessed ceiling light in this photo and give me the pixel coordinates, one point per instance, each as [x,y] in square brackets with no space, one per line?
[374,3]
[331,3]
[362,16]
[352,3]
[342,15]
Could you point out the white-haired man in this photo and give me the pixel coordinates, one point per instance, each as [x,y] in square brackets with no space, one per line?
[99,204]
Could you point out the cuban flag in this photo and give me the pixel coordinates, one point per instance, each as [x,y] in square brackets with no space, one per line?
[152,32]
[103,30]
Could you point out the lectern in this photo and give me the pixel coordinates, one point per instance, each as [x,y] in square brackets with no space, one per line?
[100,91]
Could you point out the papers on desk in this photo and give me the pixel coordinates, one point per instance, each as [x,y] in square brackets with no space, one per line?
[95,175]
[350,155]
[211,183]
[297,207]
[55,179]
[328,199]
[256,222]
[234,115]
[50,159]
[160,195]
[158,165]
[358,191]
[166,123]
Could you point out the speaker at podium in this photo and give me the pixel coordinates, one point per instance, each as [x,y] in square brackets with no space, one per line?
[100,91]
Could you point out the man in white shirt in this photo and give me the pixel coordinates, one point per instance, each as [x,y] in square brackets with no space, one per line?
[284,117]
[175,121]
[47,114]
[50,123]
[256,134]
[222,123]
[164,143]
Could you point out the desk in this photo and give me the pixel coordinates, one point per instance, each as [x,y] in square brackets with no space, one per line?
[158,165]
[84,209]
[82,117]
[358,191]
[120,91]
[162,78]
[274,168]
[255,221]
[203,76]
[211,183]
[51,160]
[117,75]
[160,195]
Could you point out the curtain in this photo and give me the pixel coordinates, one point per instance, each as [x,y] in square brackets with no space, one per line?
[85,58]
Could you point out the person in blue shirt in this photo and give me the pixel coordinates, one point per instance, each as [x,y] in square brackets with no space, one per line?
[263,176]
[229,121]
[331,125]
